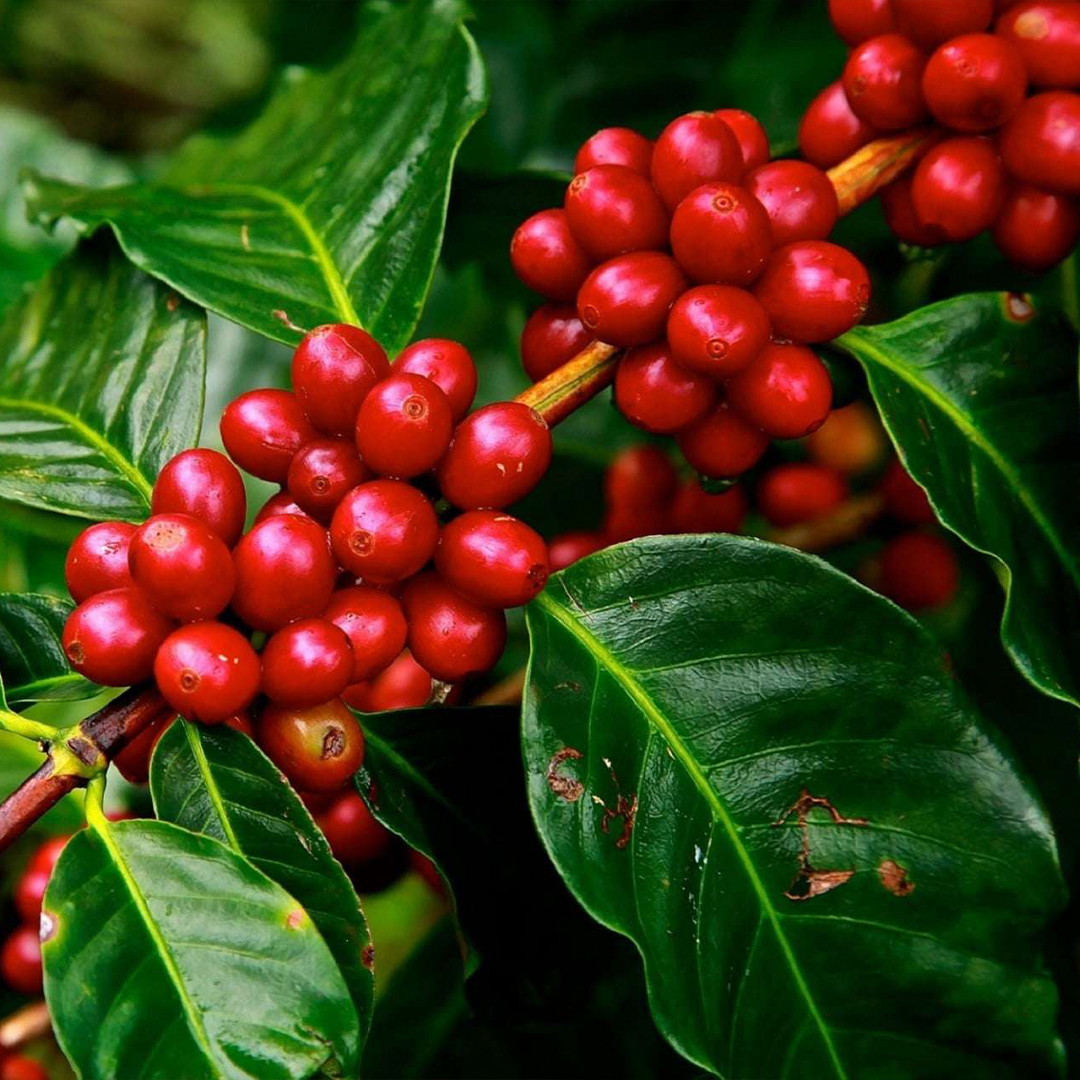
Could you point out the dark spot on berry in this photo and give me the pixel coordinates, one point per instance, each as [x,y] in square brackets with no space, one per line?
[75,652]
[717,348]
[333,744]
[189,680]
[362,542]
[414,407]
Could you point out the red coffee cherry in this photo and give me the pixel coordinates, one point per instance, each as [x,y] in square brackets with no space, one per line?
[1040,145]
[567,548]
[320,474]
[240,721]
[612,209]
[19,1067]
[1035,229]
[626,300]
[352,832]
[829,131]
[851,440]
[694,511]
[904,499]
[207,671]
[928,25]
[404,426]
[640,476]
[333,369]
[284,571]
[786,391]
[383,531]
[615,146]
[498,455]
[20,961]
[723,444]
[654,393]
[262,429]
[450,636]
[276,505]
[448,364]
[403,685]
[552,335]
[98,560]
[882,82]
[901,218]
[959,187]
[799,491]
[183,568]
[799,199]
[716,330]
[206,485]
[720,233]
[692,150]
[373,622]
[1047,34]
[134,760]
[858,20]
[112,637]
[547,258]
[918,570]
[318,747]
[753,142]
[492,558]
[974,82]
[306,662]
[813,290]
[35,878]
[629,522]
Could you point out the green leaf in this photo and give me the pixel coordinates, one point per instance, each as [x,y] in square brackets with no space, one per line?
[167,955]
[763,774]
[101,382]
[216,781]
[330,206]
[979,395]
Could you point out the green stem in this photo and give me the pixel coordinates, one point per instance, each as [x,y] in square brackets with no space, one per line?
[28,729]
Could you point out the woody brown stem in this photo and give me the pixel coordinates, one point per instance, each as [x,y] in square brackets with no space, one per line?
[848,521]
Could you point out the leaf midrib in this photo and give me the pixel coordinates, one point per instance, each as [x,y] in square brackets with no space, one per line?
[217,801]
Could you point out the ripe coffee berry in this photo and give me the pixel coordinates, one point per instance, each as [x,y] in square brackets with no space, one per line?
[276,505]
[284,571]
[19,1067]
[112,637]
[1035,229]
[497,456]
[974,82]
[184,569]
[567,548]
[918,570]
[98,560]
[959,187]
[546,256]
[1047,35]
[640,476]
[333,369]
[306,662]
[851,440]
[692,150]
[404,426]
[786,391]
[615,146]
[858,20]
[403,685]
[829,131]
[799,491]
[383,531]
[448,364]
[902,219]
[20,961]
[799,199]
[373,622]
[695,511]
[753,142]
[552,335]
[723,444]
[716,330]
[630,522]
[450,636]
[883,82]
[492,558]
[928,25]
[133,762]
[904,499]
[262,429]
[720,234]
[320,474]
[1040,145]
[206,485]
[654,393]
[813,290]
[612,209]
[35,878]
[318,747]
[207,671]
[353,834]
[626,300]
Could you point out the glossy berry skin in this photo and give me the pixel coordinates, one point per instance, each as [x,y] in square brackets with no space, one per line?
[31,886]
[552,335]
[498,455]
[321,473]
[615,146]
[383,531]
[626,300]
[918,570]
[133,761]
[799,491]
[284,571]
[695,511]
[851,440]
[716,330]
[612,209]
[262,429]
[900,216]
[723,444]
[19,1067]
[547,258]
[882,82]
[974,83]
[798,197]
[786,391]
[692,150]
[721,234]
[207,671]
[829,131]
[1035,229]
[373,622]
[753,142]
[352,832]
[640,476]
[306,662]
[276,505]
[654,393]
[404,426]
[403,685]
[1040,145]
[333,369]
[1047,35]
[448,364]
[98,560]
[928,25]
[183,568]
[492,558]
[449,635]
[240,721]
[317,747]
[959,187]
[904,499]
[206,485]
[20,961]
[112,637]
[813,291]
[567,548]
[855,21]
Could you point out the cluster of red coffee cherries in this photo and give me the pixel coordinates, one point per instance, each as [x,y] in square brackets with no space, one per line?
[1008,162]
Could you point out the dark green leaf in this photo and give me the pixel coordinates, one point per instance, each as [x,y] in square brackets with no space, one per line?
[763,774]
